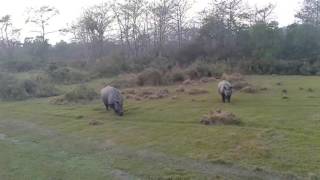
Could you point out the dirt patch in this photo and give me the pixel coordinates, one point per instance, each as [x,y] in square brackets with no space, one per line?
[220,118]
[240,85]
[208,79]
[197,91]
[95,123]
[249,90]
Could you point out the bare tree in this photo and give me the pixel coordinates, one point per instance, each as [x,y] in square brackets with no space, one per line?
[162,12]
[40,18]
[93,26]
[263,14]
[309,12]
[130,16]
[9,35]
[181,8]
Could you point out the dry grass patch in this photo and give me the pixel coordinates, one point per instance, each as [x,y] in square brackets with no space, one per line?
[220,118]
[233,77]
[240,85]
[197,91]
[250,90]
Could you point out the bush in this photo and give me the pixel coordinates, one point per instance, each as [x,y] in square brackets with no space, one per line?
[201,69]
[19,66]
[13,89]
[220,118]
[81,93]
[174,76]
[67,75]
[125,81]
[151,77]
[110,67]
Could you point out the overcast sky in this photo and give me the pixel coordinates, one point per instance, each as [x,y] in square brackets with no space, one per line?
[71,9]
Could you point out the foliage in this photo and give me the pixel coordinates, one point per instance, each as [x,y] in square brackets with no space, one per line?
[14,89]
[81,93]
[151,77]
[66,75]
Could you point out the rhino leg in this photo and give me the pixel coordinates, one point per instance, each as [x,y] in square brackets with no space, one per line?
[223,98]
[229,99]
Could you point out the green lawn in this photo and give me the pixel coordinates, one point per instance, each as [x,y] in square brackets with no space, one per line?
[278,138]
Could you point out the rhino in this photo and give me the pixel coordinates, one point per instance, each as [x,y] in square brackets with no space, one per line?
[225,90]
[112,98]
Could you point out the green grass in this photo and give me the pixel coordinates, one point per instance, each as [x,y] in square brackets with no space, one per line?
[278,138]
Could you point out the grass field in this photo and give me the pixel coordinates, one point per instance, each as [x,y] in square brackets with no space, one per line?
[163,139]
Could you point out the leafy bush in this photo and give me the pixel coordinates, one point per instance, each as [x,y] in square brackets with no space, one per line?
[125,81]
[177,76]
[19,66]
[200,69]
[110,67]
[81,93]
[13,89]
[40,90]
[67,75]
[150,77]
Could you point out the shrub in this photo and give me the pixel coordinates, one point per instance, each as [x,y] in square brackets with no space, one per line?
[81,93]
[14,89]
[11,88]
[125,81]
[19,66]
[67,75]
[220,118]
[150,77]
[106,68]
[177,76]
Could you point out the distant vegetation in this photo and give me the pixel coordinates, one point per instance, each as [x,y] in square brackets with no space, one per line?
[159,43]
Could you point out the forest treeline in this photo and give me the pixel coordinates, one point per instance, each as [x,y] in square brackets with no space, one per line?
[134,35]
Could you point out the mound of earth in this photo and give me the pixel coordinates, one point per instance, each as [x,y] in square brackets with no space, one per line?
[95,123]
[220,118]
[149,93]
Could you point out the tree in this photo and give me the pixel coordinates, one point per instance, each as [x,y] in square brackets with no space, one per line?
[221,27]
[93,26]
[162,14]
[130,19]
[9,35]
[309,12]
[41,18]
[263,14]
[232,13]
[181,8]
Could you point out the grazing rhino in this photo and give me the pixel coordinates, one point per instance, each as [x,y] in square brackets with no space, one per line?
[225,90]
[112,98]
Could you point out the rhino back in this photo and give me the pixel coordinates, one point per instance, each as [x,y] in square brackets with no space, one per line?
[110,95]
[223,84]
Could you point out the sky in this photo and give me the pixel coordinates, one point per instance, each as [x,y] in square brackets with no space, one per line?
[70,10]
